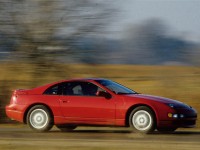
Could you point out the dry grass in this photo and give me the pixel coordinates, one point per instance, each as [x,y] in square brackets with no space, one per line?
[176,82]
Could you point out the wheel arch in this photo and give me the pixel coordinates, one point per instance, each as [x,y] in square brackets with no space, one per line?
[128,113]
[32,105]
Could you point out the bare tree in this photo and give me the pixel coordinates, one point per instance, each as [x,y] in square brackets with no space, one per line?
[150,43]
[42,30]
[45,29]
[39,23]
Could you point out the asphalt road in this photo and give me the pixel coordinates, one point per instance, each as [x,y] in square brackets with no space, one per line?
[14,137]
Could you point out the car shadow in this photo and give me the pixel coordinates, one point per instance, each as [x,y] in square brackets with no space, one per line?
[95,131]
[179,132]
[185,132]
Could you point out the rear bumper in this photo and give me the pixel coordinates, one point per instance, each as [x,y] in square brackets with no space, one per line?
[15,112]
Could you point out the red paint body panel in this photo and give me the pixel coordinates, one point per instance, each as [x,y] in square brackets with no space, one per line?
[88,108]
[15,112]
[96,110]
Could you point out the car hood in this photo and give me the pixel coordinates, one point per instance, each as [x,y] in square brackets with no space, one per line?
[156,98]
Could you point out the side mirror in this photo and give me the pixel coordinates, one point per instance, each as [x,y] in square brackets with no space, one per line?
[104,94]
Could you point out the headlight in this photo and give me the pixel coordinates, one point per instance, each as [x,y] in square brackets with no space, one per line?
[171,105]
[181,105]
[175,116]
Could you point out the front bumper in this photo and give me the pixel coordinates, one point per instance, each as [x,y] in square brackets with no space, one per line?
[179,123]
[188,121]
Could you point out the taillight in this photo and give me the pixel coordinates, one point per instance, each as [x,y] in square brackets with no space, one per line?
[13,99]
[16,94]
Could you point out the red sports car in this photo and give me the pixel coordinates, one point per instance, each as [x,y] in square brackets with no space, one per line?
[95,101]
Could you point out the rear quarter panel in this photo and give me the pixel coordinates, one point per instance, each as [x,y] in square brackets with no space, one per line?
[51,101]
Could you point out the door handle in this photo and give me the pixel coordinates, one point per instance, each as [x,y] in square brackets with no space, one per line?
[64,101]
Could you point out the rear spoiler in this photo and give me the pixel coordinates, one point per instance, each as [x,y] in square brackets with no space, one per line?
[20,92]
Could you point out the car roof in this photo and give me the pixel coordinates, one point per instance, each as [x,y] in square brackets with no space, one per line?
[82,79]
[74,79]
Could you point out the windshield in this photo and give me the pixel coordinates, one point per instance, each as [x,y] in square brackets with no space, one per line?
[116,87]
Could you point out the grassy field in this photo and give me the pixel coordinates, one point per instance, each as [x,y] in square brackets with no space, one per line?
[176,82]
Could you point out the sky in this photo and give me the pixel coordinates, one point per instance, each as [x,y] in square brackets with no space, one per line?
[182,16]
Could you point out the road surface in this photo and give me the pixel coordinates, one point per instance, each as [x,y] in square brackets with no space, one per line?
[20,137]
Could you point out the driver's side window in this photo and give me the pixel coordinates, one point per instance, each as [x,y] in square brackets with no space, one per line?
[81,89]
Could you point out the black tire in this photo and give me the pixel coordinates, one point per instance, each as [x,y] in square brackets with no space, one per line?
[142,120]
[39,118]
[66,128]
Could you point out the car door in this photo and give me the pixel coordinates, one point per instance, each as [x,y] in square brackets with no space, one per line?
[79,103]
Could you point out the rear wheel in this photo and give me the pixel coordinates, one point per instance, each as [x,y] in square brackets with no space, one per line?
[39,118]
[66,128]
[142,120]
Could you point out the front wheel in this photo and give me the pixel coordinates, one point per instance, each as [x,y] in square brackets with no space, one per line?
[39,118]
[142,120]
